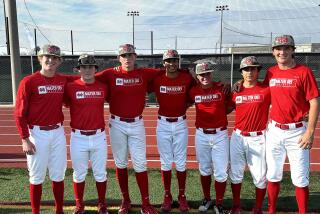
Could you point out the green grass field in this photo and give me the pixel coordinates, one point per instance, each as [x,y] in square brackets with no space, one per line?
[14,188]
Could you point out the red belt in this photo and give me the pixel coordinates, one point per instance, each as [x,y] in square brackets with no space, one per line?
[47,128]
[172,119]
[251,134]
[212,131]
[287,127]
[88,133]
[128,120]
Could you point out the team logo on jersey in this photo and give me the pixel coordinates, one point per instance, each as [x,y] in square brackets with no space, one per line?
[89,94]
[50,89]
[283,82]
[129,81]
[255,98]
[172,89]
[207,98]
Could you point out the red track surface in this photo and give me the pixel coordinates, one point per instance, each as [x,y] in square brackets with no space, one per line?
[11,153]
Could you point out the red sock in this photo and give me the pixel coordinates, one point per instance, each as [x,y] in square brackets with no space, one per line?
[236,189]
[206,186]
[78,189]
[122,175]
[101,189]
[166,180]
[58,191]
[142,180]
[273,191]
[302,196]
[220,189]
[260,193]
[182,176]
[35,197]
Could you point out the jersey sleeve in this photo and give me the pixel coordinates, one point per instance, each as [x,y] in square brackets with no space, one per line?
[152,73]
[22,107]
[191,95]
[71,78]
[102,76]
[66,96]
[310,85]
[232,103]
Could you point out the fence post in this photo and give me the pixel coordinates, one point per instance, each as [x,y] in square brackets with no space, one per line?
[231,72]
[35,41]
[14,47]
[71,42]
[151,42]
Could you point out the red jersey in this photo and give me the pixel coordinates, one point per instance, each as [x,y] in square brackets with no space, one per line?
[210,106]
[172,94]
[291,91]
[252,108]
[86,101]
[39,101]
[127,89]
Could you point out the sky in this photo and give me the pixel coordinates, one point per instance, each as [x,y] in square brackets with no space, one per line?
[191,26]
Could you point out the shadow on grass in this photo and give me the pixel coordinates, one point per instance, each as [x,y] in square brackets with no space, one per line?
[14,210]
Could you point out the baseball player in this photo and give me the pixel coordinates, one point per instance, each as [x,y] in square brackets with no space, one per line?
[172,90]
[128,86]
[211,138]
[86,97]
[39,118]
[247,144]
[294,93]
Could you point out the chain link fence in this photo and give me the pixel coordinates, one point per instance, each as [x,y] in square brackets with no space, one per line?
[227,66]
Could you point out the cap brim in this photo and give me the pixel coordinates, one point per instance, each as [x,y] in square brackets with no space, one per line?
[49,55]
[78,66]
[171,58]
[257,66]
[283,45]
[203,72]
[127,53]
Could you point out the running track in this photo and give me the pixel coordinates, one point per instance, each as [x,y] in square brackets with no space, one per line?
[11,153]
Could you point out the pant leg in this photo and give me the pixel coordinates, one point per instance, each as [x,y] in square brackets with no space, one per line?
[98,156]
[256,160]
[275,153]
[58,155]
[164,143]
[180,143]
[137,146]
[220,155]
[119,142]
[79,152]
[299,159]
[38,162]
[237,158]
[203,153]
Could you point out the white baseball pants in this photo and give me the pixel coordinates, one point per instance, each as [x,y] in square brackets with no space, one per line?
[84,148]
[212,152]
[172,140]
[128,137]
[248,150]
[51,154]
[282,143]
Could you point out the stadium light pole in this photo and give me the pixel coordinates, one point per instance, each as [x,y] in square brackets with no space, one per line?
[133,14]
[221,8]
